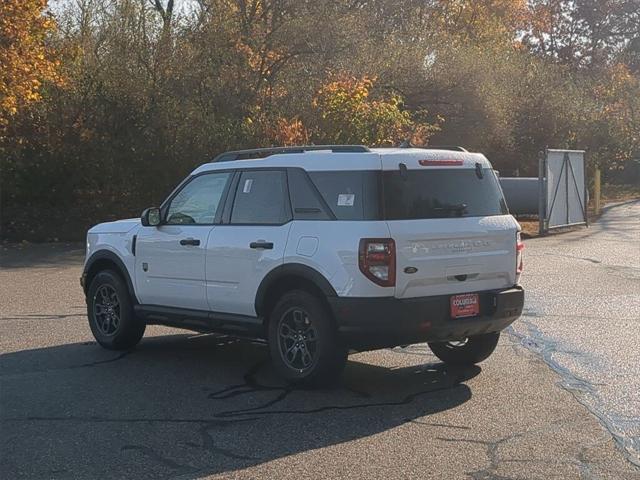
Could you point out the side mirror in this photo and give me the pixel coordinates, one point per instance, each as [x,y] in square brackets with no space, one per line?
[150,217]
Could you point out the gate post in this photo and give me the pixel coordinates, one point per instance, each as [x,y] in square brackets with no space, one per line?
[542,192]
[596,191]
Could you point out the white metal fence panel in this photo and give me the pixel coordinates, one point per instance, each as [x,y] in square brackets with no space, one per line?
[565,196]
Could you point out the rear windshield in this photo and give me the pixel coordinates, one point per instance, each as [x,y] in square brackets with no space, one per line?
[441,193]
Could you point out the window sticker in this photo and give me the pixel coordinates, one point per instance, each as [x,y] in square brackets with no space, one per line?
[346,199]
[247,185]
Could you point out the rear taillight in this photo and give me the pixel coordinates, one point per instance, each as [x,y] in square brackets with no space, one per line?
[519,254]
[377,260]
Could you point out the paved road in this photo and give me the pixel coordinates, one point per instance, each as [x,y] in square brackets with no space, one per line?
[583,316]
[192,406]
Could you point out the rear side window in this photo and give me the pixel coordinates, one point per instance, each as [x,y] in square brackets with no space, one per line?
[441,193]
[305,201]
[261,198]
[351,195]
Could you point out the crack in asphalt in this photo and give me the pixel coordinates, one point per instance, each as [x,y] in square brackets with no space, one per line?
[209,445]
[251,385]
[580,388]
[74,367]
[95,419]
[155,456]
[431,424]
[102,362]
[488,473]
[620,271]
[494,460]
[585,468]
[54,316]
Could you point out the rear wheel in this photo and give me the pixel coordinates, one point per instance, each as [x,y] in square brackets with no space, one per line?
[110,312]
[469,351]
[303,341]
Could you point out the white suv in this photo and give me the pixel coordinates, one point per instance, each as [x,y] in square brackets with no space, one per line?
[317,250]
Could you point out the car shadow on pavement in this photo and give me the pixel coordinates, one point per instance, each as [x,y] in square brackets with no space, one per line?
[193,405]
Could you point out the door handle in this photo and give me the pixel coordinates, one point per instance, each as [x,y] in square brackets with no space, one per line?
[261,244]
[190,241]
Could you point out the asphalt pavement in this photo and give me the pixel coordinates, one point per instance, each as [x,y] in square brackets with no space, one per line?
[188,406]
[582,316]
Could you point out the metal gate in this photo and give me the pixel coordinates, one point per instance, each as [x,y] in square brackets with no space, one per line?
[563,192]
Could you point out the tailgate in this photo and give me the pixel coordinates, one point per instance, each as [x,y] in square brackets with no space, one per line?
[453,255]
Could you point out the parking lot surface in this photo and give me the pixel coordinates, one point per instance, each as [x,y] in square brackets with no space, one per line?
[582,316]
[188,406]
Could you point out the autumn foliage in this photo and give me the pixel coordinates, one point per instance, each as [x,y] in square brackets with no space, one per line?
[349,113]
[153,88]
[25,61]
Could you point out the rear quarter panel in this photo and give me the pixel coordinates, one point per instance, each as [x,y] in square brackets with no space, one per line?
[335,255]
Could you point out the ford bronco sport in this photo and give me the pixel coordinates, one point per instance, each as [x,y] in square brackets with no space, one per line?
[317,250]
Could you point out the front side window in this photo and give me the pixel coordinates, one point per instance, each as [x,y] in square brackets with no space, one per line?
[198,202]
[261,198]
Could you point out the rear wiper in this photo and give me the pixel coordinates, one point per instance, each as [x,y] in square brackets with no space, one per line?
[403,171]
[452,208]
[457,209]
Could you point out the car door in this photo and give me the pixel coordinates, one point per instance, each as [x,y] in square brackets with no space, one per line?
[251,243]
[170,258]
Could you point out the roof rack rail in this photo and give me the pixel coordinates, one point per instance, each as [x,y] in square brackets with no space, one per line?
[265,152]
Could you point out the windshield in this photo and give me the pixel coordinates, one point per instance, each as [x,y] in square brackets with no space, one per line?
[441,193]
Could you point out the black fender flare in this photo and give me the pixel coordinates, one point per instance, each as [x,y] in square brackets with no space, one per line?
[115,259]
[292,269]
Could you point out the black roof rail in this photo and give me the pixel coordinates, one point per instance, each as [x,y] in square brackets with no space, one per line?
[265,152]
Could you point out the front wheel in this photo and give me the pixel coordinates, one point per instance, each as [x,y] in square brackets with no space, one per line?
[110,311]
[469,351]
[303,341]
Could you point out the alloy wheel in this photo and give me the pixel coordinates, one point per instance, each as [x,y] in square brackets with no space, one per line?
[297,339]
[106,310]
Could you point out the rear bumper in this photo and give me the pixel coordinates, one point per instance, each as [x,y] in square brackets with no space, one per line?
[379,322]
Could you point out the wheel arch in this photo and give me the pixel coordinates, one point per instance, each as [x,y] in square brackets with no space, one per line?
[287,277]
[107,260]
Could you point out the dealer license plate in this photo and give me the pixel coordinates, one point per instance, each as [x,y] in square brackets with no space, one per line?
[466,305]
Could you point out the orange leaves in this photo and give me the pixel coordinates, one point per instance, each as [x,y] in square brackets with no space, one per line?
[343,86]
[349,114]
[484,20]
[618,95]
[344,110]
[275,129]
[288,132]
[343,96]
[25,61]
[259,61]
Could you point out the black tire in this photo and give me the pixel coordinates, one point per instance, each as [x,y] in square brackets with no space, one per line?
[474,350]
[110,311]
[326,355]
